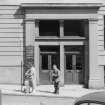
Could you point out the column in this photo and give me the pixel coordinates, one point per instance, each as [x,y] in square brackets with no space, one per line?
[62,63]
[61,28]
[36,59]
[75,77]
[74,62]
[95,79]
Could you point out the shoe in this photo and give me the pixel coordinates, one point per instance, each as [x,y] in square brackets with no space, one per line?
[54,92]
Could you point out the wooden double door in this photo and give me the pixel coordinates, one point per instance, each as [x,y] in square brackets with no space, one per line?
[73,73]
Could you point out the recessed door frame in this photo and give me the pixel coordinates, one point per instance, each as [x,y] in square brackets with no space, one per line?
[61,44]
[51,59]
[72,72]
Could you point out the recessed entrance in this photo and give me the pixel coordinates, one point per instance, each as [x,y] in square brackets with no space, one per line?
[62,42]
[74,65]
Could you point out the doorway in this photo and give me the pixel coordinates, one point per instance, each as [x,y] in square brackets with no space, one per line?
[74,65]
[49,55]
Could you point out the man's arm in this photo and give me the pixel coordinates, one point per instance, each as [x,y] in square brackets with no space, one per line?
[54,74]
[59,73]
[27,72]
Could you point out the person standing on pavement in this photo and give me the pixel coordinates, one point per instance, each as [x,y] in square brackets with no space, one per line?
[30,75]
[56,79]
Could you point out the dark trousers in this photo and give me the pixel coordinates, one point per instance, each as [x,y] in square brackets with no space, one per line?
[31,84]
[56,86]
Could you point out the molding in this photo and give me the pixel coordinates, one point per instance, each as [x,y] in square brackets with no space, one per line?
[56,43]
[49,38]
[59,5]
[93,19]
[29,19]
[62,16]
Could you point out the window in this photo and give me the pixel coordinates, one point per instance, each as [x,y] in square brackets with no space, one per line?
[48,28]
[49,55]
[70,28]
[73,28]
[74,57]
[69,62]
[44,62]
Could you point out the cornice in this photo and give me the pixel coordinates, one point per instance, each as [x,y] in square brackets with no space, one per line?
[59,5]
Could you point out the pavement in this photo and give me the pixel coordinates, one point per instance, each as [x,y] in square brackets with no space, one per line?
[72,91]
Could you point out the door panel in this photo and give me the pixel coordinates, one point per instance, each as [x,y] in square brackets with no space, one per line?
[79,68]
[68,73]
[44,62]
[46,65]
[44,69]
[73,69]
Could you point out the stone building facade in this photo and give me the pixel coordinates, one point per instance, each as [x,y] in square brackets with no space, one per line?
[68,34]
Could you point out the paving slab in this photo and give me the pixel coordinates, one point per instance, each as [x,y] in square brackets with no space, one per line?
[73,91]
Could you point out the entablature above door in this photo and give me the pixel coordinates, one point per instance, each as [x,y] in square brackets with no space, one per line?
[60,10]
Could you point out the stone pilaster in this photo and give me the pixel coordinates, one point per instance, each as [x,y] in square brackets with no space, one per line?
[95,79]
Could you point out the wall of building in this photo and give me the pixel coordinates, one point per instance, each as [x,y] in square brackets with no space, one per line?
[11,44]
[100,36]
[12,36]
[101,42]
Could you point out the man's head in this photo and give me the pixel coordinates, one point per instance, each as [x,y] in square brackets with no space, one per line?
[54,67]
[31,65]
